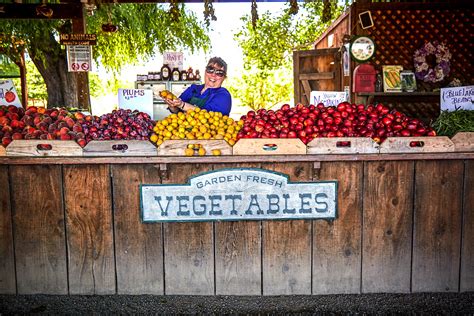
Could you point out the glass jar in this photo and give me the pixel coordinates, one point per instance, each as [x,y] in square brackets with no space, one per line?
[165,72]
[175,74]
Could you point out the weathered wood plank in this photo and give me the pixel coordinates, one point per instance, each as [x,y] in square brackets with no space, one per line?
[437,226]
[467,254]
[387,227]
[89,229]
[38,224]
[138,246]
[337,244]
[189,247]
[287,261]
[238,253]
[7,258]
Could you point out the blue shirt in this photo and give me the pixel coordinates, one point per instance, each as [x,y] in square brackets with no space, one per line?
[216,99]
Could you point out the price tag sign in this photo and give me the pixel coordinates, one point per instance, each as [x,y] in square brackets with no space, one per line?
[457,98]
[328,98]
[173,59]
[79,58]
[8,95]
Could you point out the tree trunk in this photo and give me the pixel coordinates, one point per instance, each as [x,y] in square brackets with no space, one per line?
[61,85]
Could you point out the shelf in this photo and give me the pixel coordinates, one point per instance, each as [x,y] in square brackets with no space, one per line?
[398,94]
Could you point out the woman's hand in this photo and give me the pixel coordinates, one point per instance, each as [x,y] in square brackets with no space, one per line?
[174,105]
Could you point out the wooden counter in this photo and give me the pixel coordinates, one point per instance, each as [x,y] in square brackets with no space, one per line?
[72,226]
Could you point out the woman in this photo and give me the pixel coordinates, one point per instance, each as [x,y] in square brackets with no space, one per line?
[210,96]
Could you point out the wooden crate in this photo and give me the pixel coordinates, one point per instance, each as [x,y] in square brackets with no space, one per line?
[421,144]
[120,148]
[343,145]
[178,146]
[39,147]
[269,146]
[3,151]
[463,141]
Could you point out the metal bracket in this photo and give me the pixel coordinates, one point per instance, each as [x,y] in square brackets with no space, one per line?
[316,170]
[163,171]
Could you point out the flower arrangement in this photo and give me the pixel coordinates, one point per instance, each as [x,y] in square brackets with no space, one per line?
[442,67]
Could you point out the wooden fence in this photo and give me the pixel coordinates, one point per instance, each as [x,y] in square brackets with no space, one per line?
[402,226]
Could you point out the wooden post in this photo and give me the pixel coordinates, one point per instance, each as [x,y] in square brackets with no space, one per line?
[82,78]
[24,86]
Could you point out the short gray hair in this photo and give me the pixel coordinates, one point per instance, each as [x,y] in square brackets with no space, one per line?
[218,61]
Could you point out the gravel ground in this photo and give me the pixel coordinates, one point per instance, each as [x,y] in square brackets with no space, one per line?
[362,304]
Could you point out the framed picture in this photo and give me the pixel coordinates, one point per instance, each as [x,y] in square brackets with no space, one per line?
[391,78]
[408,80]
[365,19]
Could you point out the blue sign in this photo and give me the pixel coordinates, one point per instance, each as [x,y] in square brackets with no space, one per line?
[238,194]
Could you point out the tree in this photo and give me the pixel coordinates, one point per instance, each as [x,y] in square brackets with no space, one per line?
[144,30]
[268,50]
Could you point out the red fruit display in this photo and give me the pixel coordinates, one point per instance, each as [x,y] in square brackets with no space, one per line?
[344,120]
[120,124]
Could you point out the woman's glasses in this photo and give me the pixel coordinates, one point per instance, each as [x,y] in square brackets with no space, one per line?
[217,72]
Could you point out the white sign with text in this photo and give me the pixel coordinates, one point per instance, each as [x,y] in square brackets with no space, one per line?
[328,98]
[238,194]
[136,99]
[8,95]
[173,59]
[457,98]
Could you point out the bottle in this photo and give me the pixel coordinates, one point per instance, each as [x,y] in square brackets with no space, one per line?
[184,75]
[378,82]
[165,72]
[175,74]
[157,75]
[197,76]
[190,74]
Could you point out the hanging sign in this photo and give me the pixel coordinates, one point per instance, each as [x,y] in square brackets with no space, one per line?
[173,59]
[327,98]
[238,194]
[457,98]
[79,58]
[8,95]
[78,39]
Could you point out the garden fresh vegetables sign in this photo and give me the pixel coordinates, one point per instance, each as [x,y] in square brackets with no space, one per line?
[238,194]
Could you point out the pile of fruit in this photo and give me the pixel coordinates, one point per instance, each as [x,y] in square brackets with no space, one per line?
[196,124]
[343,120]
[61,124]
[39,123]
[120,124]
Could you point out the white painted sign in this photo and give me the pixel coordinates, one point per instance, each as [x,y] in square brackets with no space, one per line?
[136,99]
[328,98]
[238,194]
[173,59]
[79,58]
[8,95]
[457,98]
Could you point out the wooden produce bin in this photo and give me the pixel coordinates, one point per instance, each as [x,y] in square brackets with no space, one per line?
[120,148]
[178,147]
[3,151]
[463,141]
[72,226]
[269,146]
[44,148]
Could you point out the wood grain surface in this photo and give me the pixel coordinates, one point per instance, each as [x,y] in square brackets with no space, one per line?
[437,226]
[87,192]
[138,246]
[337,243]
[387,226]
[287,244]
[7,257]
[38,223]
[238,253]
[467,253]
[189,247]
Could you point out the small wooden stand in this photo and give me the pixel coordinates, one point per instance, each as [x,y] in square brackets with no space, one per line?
[39,147]
[269,146]
[422,144]
[120,148]
[343,145]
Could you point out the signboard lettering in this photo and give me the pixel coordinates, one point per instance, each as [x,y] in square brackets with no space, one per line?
[238,194]
[78,39]
[79,58]
[173,59]
[457,98]
[328,98]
